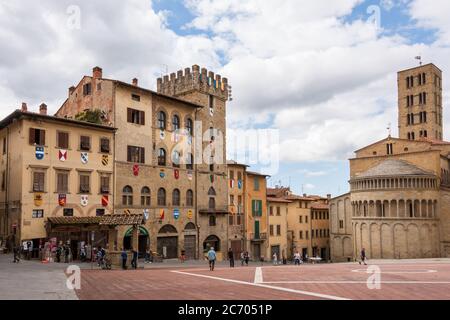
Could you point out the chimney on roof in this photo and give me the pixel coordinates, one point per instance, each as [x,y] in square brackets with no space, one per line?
[135,82]
[43,109]
[97,73]
[24,107]
[71,90]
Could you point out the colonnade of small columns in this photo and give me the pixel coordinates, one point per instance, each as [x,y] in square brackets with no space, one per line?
[411,208]
[394,183]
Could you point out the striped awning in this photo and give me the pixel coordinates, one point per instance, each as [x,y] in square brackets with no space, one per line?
[108,220]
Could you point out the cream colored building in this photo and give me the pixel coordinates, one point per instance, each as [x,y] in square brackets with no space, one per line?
[307,223]
[398,205]
[52,168]
[158,170]
[278,227]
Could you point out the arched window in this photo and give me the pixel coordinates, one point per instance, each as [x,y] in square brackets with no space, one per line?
[176,197]
[189,126]
[162,157]
[211,241]
[211,192]
[127,196]
[189,198]
[190,161]
[162,120]
[161,197]
[175,122]
[176,159]
[190,226]
[145,196]
[212,203]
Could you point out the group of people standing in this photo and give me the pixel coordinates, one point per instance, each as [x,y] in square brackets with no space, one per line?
[124,257]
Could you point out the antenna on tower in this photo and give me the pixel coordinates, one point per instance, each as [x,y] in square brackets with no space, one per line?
[420,59]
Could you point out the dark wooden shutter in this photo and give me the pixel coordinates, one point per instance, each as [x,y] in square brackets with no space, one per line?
[32,136]
[142,156]
[129,115]
[142,118]
[129,154]
[42,138]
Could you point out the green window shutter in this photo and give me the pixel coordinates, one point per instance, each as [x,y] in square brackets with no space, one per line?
[253,207]
[260,208]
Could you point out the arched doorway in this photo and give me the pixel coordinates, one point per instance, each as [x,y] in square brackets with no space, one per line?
[167,242]
[211,241]
[144,240]
[190,240]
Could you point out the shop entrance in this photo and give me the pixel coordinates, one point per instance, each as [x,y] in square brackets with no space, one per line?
[143,242]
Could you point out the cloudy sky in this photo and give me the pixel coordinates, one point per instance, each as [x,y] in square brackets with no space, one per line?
[322,73]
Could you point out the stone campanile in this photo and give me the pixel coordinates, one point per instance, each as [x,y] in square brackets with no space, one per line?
[420,103]
[211,92]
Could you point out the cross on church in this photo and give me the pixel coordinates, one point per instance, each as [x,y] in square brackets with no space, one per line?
[389,128]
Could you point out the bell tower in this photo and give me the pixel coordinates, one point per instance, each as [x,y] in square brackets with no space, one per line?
[420,103]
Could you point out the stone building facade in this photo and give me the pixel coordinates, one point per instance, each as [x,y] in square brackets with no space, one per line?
[237,188]
[160,163]
[399,188]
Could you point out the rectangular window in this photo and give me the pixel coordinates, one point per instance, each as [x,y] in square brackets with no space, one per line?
[62,140]
[99,212]
[85,143]
[256,184]
[85,186]
[38,181]
[68,212]
[271,230]
[240,200]
[37,137]
[239,176]
[301,235]
[300,219]
[62,182]
[306,219]
[87,89]
[271,210]
[278,230]
[37,214]
[231,175]
[307,234]
[239,219]
[135,116]
[231,199]
[278,211]
[104,184]
[257,208]
[104,145]
[341,224]
[231,219]
[136,154]
[136,97]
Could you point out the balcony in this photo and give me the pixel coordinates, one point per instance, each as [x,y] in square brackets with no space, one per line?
[216,210]
[258,237]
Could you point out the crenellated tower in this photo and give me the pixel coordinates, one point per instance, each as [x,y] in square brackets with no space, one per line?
[211,92]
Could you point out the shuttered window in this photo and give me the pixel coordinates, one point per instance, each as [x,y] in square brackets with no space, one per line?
[62,182]
[37,137]
[135,154]
[104,184]
[85,143]
[62,140]
[257,208]
[104,145]
[135,116]
[84,183]
[38,181]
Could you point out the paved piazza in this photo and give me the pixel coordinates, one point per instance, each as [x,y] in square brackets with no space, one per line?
[400,280]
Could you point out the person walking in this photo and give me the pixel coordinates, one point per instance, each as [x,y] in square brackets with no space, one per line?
[124,257]
[66,253]
[242,258]
[231,257]
[134,259]
[275,259]
[16,251]
[363,257]
[247,258]
[83,253]
[211,258]
[297,258]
